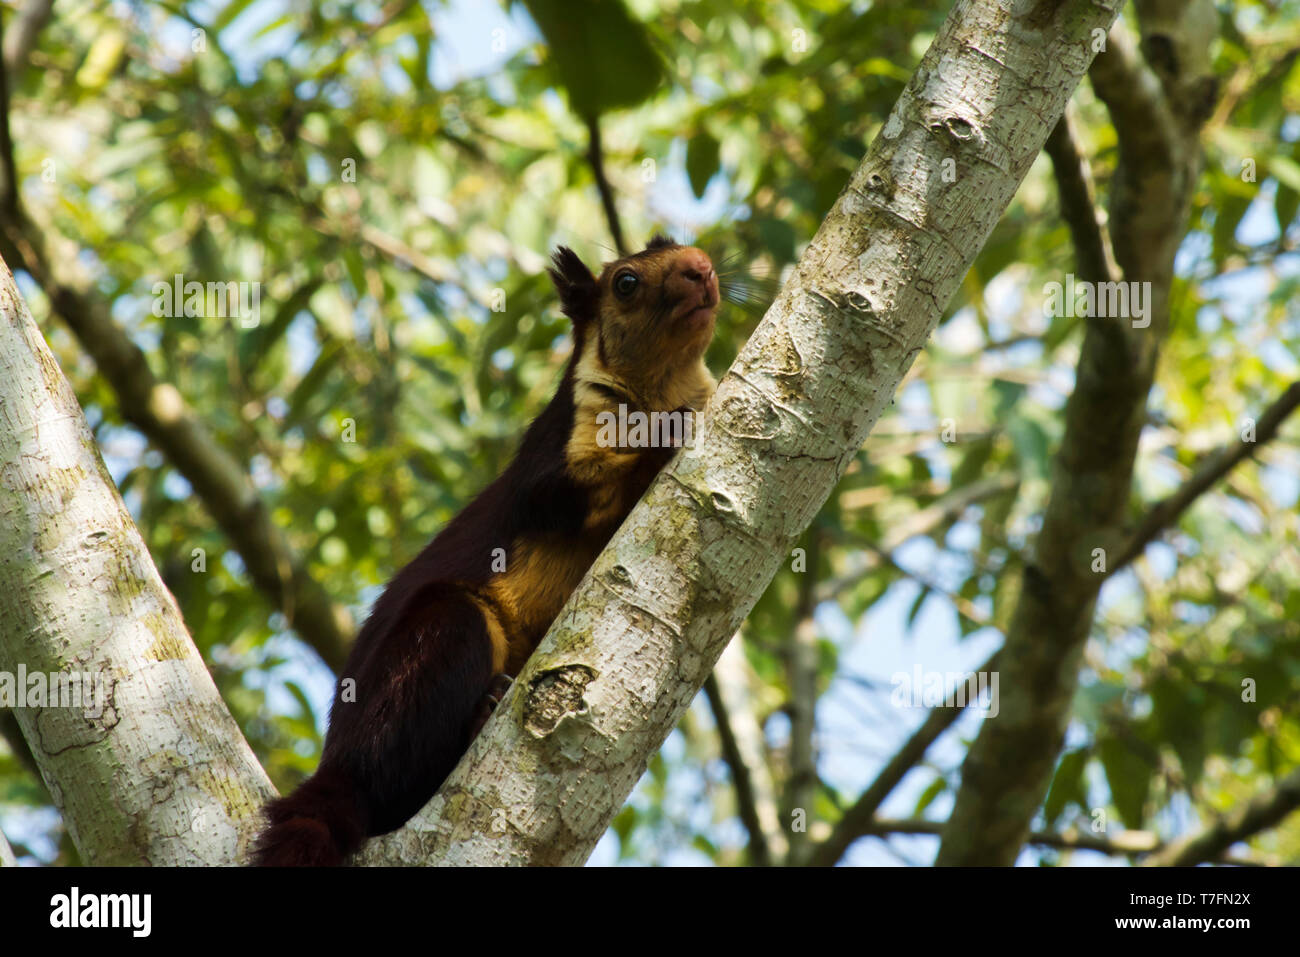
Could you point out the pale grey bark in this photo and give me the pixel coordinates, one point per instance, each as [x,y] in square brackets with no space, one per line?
[154,771]
[7,858]
[641,633]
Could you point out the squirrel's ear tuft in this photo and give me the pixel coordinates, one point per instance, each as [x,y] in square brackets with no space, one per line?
[659,241]
[575,284]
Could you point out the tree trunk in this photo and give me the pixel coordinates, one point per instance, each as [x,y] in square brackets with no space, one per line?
[1008,769]
[148,767]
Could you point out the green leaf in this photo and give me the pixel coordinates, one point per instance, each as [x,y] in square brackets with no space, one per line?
[102,59]
[1286,171]
[419,70]
[1179,713]
[702,154]
[702,844]
[916,607]
[306,390]
[1002,249]
[228,14]
[1006,394]
[879,66]
[254,344]
[1129,777]
[935,788]
[602,56]
[1068,785]
[303,702]
[274,25]
[623,823]
[863,594]
[1226,219]
[1031,444]
[778,238]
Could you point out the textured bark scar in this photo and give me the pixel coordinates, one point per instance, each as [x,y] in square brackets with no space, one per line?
[555,694]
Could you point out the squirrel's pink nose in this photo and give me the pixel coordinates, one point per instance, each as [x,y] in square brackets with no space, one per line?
[697,269]
[694,265]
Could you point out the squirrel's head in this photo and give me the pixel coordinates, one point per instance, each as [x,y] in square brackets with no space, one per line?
[653,309]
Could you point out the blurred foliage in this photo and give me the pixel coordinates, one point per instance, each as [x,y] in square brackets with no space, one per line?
[337,153]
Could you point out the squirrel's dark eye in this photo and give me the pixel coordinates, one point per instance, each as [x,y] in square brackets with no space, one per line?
[625,284]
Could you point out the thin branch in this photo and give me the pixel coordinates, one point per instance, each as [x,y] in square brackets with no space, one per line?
[1078,202]
[801,677]
[1122,843]
[597,160]
[760,854]
[390,246]
[850,827]
[857,820]
[736,684]
[1259,813]
[1134,98]
[8,170]
[1213,468]
[962,605]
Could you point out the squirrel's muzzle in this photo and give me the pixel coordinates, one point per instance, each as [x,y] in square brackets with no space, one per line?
[693,285]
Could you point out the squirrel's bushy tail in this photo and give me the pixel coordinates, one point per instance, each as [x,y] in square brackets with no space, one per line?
[422,670]
[318,825]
